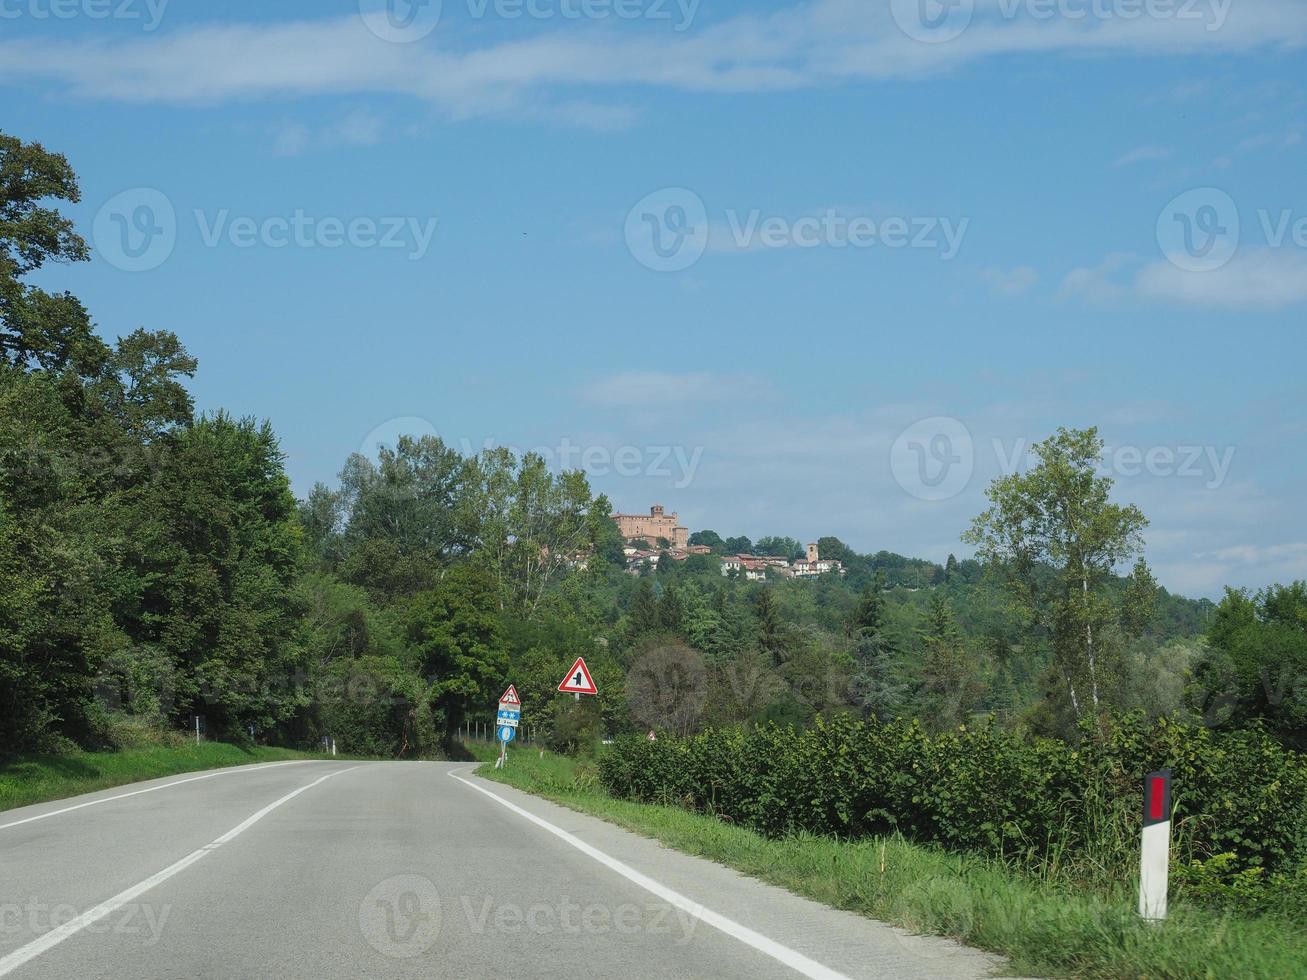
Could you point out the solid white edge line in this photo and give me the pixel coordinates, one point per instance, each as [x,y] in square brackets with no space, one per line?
[55,936]
[768,947]
[227,771]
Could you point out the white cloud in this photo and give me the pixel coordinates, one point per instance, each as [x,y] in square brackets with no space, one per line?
[1256,280]
[1011,282]
[1255,554]
[659,389]
[1099,283]
[356,128]
[1142,154]
[822,43]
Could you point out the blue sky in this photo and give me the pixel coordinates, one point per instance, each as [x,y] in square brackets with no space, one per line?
[891,251]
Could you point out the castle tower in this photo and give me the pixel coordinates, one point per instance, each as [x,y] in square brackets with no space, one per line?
[812,553]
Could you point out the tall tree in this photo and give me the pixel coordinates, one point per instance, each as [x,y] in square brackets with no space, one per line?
[531,525]
[456,632]
[39,329]
[951,681]
[406,516]
[771,631]
[1057,538]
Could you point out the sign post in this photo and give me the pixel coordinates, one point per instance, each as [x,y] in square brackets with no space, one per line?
[507,718]
[578,680]
[1155,852]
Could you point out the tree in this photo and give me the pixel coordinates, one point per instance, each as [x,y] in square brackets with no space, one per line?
[1255,666]
[530,525]
[951,681]
[1139,605]
[643,616]
[216,546]
[738,546]
[455,631]
[670,610]
[772,639]
[1055,536]
[778,546]
[710,539]
[869,611]
[38,329]
[406,516]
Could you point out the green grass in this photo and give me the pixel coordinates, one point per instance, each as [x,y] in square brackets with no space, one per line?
[1045,926]
[38,778]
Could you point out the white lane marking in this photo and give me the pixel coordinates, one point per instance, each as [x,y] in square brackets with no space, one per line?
[769,947]
[155,789]
[55,936]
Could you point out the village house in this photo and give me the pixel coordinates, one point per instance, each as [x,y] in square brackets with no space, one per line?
[754,568]
[815,565]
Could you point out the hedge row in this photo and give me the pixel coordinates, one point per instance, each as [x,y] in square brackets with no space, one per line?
[985,789]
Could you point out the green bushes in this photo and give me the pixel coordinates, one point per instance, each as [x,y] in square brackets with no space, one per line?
[1039,801]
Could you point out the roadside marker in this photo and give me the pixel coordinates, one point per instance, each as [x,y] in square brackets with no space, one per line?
[1155,850]
[578,680]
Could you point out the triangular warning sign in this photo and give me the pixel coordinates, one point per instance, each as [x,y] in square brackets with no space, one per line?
[510,696]
[578,679]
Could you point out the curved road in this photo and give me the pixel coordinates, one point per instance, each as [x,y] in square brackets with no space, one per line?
[327,869]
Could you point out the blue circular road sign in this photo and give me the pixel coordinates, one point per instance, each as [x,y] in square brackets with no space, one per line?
[506,734]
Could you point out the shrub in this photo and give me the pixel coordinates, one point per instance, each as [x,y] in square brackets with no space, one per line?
[1040,801]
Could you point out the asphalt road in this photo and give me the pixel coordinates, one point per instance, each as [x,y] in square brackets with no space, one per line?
[326,869]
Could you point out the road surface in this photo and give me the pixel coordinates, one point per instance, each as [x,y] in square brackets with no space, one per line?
[342,869]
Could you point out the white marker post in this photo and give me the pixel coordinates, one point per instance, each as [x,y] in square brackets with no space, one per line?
[1155,854]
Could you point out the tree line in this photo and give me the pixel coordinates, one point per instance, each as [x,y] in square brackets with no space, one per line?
[155,566]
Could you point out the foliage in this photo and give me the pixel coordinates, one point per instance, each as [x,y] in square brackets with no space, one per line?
[1255,666]
[1039,801]
[1047,922]
[1057,538]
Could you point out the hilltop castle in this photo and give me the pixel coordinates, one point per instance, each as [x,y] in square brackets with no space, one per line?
[652,526]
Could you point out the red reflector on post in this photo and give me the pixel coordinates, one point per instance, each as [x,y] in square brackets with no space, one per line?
[1156,797]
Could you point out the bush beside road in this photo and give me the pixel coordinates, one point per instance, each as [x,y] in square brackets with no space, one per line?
[1046,922]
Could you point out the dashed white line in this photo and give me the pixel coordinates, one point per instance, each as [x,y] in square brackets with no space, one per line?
[769,947]
[55,936]
[155,789]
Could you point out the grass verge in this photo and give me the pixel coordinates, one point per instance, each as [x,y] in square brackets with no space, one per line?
[1045,927]
[39,778]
